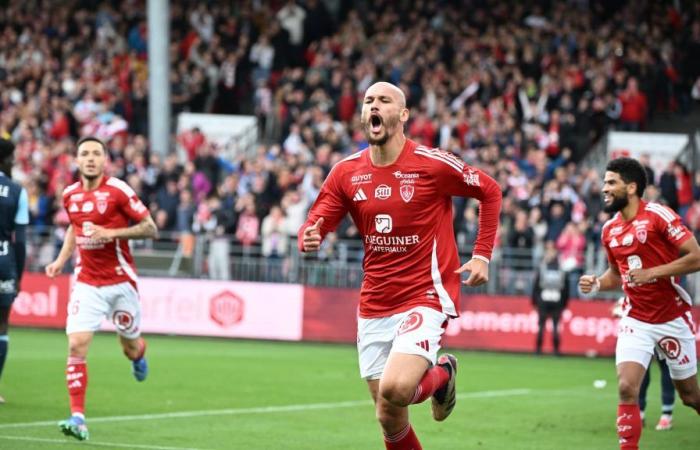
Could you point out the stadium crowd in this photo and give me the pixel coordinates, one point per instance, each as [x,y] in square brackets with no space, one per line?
[521,91]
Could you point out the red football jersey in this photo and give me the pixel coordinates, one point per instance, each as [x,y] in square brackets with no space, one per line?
[404,214]
[651,239]
[112,205]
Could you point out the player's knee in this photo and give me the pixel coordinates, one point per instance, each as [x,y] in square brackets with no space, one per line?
[397,393]
[629,392]
[78,347]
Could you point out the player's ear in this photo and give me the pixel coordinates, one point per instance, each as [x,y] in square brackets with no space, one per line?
[403,116]
[632,188]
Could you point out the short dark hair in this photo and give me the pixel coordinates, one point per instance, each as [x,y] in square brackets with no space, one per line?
[90,139]
[7,148]
[631,171]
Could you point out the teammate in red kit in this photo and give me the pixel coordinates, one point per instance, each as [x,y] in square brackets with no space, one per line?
[100,208]
[648,248]
[399,196]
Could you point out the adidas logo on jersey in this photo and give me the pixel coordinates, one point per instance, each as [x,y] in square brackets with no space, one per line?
[359,196]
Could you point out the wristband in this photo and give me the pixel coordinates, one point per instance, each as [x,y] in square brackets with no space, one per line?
[481,258]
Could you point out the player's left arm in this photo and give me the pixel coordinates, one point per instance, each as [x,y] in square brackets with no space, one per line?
[474,183]
[134,209]
[689,262]
[145,229]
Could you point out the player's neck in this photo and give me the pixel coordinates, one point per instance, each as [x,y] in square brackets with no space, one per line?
[629,212]
[90,184]
[387,154]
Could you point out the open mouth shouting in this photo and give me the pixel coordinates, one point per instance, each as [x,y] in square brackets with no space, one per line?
[375,123]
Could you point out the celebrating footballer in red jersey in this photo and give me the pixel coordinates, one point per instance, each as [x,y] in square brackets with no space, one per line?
[399,195]
[648,248]
[100,208]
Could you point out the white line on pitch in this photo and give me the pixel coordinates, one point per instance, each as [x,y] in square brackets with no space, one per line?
[256,410]
[88,443]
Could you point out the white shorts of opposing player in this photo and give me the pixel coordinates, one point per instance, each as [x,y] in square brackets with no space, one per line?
[675,341]
[417,331]
[118,303]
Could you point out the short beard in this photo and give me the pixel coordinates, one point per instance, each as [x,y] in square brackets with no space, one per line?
[90,177]
[379,141]
[618,204]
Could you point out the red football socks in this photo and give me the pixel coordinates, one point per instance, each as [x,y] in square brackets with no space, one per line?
[433,379]
[629,426]
[76,380]
[403,440]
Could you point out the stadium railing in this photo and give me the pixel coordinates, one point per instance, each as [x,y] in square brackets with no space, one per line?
[188,255]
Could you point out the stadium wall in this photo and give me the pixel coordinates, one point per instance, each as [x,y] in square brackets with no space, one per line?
[294,312]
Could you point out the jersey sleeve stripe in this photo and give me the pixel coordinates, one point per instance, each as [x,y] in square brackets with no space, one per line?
[607,224]
[353,156]
[70,188]
[439,158]
[444,154]
[122,186]
[22,215]
[661,211]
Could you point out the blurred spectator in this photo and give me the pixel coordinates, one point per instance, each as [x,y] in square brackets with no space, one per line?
[634,107]
[668,184]
[248,228]
[550,295]
[192,141]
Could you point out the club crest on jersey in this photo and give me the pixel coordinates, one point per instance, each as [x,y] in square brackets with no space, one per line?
[382,192]
[641,233]
[101,201]
[406,192]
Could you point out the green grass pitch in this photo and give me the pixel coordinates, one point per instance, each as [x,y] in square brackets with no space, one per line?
[231,394]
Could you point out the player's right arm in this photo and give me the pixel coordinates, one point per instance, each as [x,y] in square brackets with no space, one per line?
[325,214]
[608,281]
[64,255]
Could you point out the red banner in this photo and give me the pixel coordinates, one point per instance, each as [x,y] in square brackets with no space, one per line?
[42,302]
[330,315]
[485,323]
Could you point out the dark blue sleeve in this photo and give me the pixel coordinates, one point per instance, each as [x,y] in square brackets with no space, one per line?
[20,250]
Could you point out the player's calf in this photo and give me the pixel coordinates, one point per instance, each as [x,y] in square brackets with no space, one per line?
[135,350]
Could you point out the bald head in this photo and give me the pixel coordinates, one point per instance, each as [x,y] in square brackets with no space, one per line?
[382,88]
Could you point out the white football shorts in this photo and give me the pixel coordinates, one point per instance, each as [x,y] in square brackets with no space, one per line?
[119,303]
[417,331]
[675,341]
